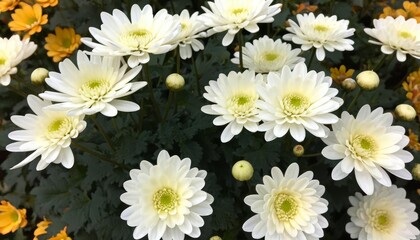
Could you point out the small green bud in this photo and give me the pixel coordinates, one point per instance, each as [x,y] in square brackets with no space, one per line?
[368,80]
[242,170]
[39,75]
[175,82]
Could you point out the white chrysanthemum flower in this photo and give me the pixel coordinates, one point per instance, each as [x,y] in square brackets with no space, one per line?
[233,15]
[368,144]
[296,101]
[234,97]
[322,33]
[12,52]
[142,35]
[287,206]
[191,29]
[93,86]
[384,215]
[48,134]
[166,200]
[398,34]
[266,55]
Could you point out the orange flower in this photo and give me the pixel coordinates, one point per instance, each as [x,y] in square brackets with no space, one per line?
[8,5]
[61,236]
[388,11]
[47,3]
[305,7]
[41,228]
[11,219]
[28,19]
[340,74]
[414,140]
[411,10]
[62,44]
[412,85]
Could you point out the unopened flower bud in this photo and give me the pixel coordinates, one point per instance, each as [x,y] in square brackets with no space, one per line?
[215,238]
[349,84]
[175,82]
[368,80]
[242,170]
[39,75]
[405,112]
[416,172]
[298,150]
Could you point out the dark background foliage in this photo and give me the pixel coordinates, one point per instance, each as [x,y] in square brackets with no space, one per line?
[86,197]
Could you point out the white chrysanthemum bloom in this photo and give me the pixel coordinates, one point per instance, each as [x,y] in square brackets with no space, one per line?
[191,29]
[287,206]
[234,97]
[233,15]
[166,200]
[384,215]
[145,34]
[321,32]
[12,52]
[368,144]
[297,100]
[396,34]
[266,55]
[48,134]
[94,86]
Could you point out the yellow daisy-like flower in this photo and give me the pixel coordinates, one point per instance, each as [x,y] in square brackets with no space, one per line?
[61,44]
[388,11]
[41,228]
[8,5]
[412,84]
[47,3]
[411,10]
[340,74]
[62,235]
[304,7]
[414,140]
[11,219]
[28,19]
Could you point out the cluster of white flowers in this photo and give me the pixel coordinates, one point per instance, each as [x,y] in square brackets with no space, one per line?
[277,94]
[292,100]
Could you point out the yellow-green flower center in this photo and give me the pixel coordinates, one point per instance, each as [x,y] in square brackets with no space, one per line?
[94,89]
[285,206]
[58,128]
[239,14]
[270,56]
[14,216]
[237,11]
[295,104]
[137,39]
[2,61]
[363,146]
[67,42]
[321,28]
[242,105]
[406,35]
[165,200]
[380,220]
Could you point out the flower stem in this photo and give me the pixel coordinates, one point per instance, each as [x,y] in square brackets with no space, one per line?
[96,154]
[312,57]
[151,94]
[380,63]
[178,61]
[103,133]
[311,155]
[197,77]
[168,104]
[354,100]
[241,57]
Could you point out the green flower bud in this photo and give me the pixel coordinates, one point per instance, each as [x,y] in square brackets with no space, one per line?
[242,170]
[175,82]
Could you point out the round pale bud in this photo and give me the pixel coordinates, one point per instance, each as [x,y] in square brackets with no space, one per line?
[175,82]
[39,75]
[298,150]
[215,238]
[349,84]
[242,170]
[416,172]
[368,80]
[405,112]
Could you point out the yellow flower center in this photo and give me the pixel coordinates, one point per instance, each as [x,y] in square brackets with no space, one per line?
[270,56]
[59,128]
[239,14]
[14,216]
[67,42]
[242,105]
[137,39]
[295,104]
[286,207]
[380,220]
[165,200]
[2,61]
[363,146]
[321,28]
[94,89]
[406,35]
